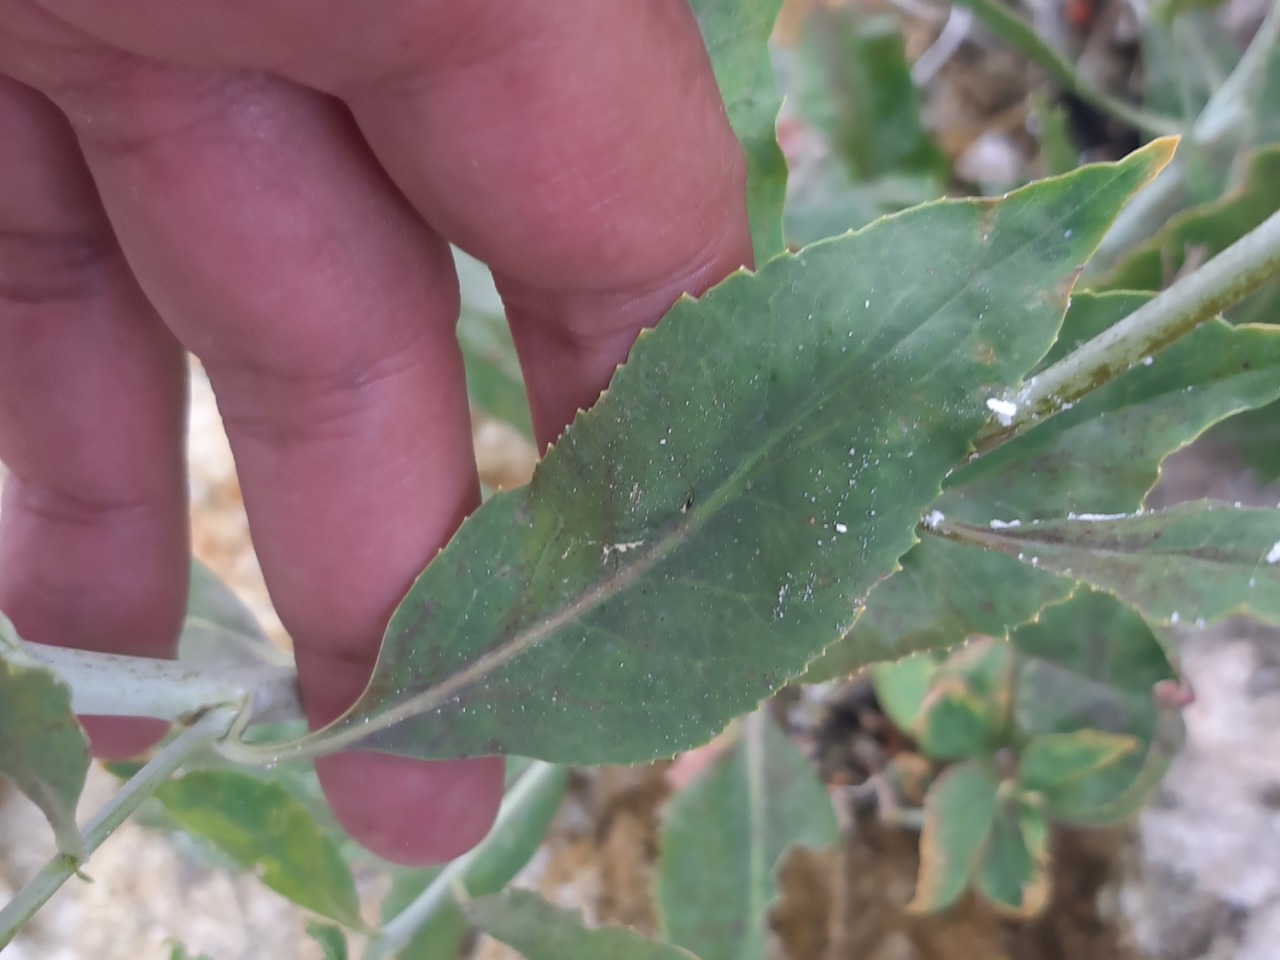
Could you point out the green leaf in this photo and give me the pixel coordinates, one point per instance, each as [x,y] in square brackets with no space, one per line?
[943,593]
[830,202]
[179,952]
[901,686]
[997,17]
[959,815]
[1089,668]
[495,384]
[1256,434]
[1193,562]
[1101,456]
[43,748]
[1168,9]
[441,934]
[1055,760]
[332,941]
[965,709]
[761,482]
[1011,876]
[264,828]
[511,843]
[523,920]
[1035,829]
[723,836]
[736,35]
[1204,231]
[1087,664]
[219,627]
[1057,152]
[856,87]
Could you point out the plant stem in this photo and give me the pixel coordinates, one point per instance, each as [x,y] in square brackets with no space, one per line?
[108,684]
[1228,278]
[138,788]
[1007,25]
[400,929]
[1228,108]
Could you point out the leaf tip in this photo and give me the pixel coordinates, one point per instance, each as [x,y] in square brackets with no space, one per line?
[1157,154]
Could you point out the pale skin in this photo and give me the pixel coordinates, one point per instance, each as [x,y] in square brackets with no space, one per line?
[271,185]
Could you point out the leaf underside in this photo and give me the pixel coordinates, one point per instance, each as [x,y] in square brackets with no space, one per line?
[736,35]
[1101,456]
[758,799]
[43,749]
[753,470]
[1193,562]
[540,931]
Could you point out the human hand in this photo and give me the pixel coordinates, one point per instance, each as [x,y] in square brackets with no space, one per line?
[271,185]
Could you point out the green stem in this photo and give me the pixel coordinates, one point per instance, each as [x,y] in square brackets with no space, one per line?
[108,684]
[1228,108]
[400,929]
[1227,279]
[142,785]
[1007,25]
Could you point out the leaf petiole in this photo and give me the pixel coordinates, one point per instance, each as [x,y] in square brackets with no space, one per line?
[206,730]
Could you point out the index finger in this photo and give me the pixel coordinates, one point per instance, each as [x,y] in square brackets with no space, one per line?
[585,155]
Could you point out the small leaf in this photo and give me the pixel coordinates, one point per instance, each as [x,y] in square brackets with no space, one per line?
[495,383]
[736,35]
[964,711]
[857,88]
[179,952]
[1089,663]
[944,593]
[1256,434]
[1054,761]
[1012,877]
[332,941]
[219,627]
[1204,231]
[901,687]
[1057,152]
[1193,562]
[1103,455]
[1089,668]
[953,722]
[523,920]
[959,816]
[723,836]
[43,748]
[1035,830]
[762,482]
[262,827]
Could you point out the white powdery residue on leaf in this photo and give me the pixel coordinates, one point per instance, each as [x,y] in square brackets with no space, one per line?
[933,519]
[841,528]
[609,548]
[1273,555]
[1004,524]
[1004,410]
[1148,361]
[1098,517]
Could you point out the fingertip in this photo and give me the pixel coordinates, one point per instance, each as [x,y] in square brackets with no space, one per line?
[412,812]
[119,738]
